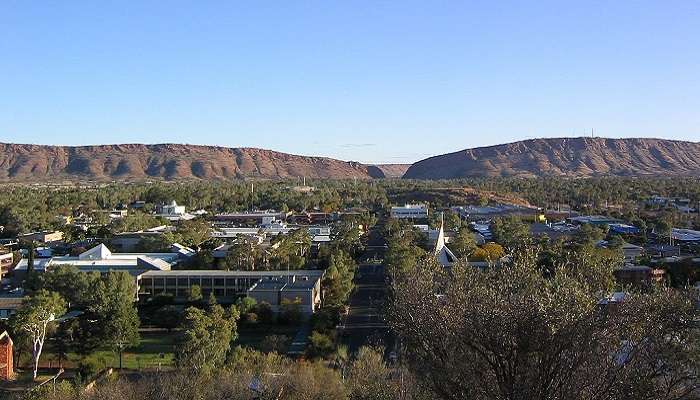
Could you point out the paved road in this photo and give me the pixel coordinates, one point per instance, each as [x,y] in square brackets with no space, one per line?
[364,323]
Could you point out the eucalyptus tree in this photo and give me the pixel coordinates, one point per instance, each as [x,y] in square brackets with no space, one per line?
[515,333]
[36,317]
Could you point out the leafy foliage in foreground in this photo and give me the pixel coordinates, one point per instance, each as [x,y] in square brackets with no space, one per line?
[515,333]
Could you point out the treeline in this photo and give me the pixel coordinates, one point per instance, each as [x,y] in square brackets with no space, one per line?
[577,192]
[26,208]
[580,193]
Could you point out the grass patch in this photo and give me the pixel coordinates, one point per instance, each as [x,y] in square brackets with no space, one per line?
[157,349]
[252,335]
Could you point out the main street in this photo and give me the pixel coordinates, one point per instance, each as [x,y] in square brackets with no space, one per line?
[364,323]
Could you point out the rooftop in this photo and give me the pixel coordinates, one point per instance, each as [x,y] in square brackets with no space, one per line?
[285,283]
[100,258]
[175,273]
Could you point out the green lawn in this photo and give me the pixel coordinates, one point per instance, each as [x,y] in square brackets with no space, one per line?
[252,336]
[154,349]
[157,348]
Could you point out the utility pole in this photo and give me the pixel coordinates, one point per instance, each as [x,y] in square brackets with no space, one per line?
[252,190]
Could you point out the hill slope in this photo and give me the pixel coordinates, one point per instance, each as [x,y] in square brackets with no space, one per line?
[388,170]
[20,162]
[575,157]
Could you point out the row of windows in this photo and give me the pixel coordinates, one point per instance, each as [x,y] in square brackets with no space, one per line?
[204,282]
[184,292]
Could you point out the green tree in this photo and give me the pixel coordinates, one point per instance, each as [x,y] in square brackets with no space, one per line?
[116,309]
[550,340]
[195,294]
[345,236]
[207,337]
[74,286]
[243,255]
[192,233]
[322,345]
[370,378]
[463,244]
[290,311]
[511,233]
[246,304]
[136,221]
[275,344]
[589,235]
[35,317]
[338,278]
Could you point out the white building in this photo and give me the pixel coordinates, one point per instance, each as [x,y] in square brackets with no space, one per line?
[102,260]
[412,211]
[173,212]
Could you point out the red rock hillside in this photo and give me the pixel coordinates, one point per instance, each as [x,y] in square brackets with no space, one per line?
[20,162]
[574,157]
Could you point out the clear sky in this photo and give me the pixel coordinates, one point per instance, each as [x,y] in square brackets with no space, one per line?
[371,81]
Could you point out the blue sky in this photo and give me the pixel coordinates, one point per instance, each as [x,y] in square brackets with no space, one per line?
[371,81]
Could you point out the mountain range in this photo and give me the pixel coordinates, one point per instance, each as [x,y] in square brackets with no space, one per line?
[21,162]
[571,157]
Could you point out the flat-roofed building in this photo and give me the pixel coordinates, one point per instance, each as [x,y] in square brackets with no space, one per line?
[228,286]
[43,236]
[410,211]
[638,275]
[9,305]
[6,261]
[596,220]
[260,217]
[102,260]
[292,288]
